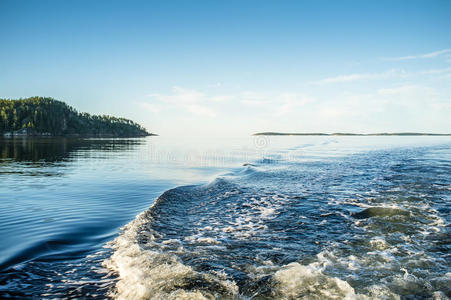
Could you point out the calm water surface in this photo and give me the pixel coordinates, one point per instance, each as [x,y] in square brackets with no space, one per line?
[244,218]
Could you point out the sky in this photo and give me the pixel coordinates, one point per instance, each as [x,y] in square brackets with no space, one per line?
[201,68]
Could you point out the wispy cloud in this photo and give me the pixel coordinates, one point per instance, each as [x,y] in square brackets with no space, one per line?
[200,110]
[419,56]
[277,104]
[179,95]
[407,91]
[189,100]
[208,104]
[435,71]
[154,108]
[423,107]
[290,102]
[361,76]
[394,73]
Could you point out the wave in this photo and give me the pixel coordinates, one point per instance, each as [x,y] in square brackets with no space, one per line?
[293,231]
[151,269]
[146,272]
[381,212]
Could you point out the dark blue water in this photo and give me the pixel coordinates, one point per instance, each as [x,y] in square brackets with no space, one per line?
[303,218]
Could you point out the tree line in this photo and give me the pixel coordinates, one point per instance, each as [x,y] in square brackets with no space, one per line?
[42,115]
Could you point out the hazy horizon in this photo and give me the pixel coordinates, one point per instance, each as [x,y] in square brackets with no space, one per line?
[236,68]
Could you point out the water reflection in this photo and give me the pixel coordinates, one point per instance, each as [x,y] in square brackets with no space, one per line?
[58,195]
[60,149]
[36,156]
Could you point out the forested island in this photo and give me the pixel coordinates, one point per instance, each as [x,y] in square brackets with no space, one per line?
[357,134]
[42,116]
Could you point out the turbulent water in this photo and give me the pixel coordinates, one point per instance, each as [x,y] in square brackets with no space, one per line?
[286,218]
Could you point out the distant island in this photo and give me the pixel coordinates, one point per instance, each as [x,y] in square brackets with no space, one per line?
[358,134]
[41,116]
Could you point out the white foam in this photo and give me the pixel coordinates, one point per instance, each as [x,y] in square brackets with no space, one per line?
[207,240]
[267,212]
[378,243]
[439,296]
[148,274]
[296,281]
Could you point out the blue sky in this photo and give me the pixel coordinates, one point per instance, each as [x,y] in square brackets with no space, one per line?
[236,67]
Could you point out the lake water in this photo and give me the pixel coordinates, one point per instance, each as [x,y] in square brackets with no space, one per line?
[244,218]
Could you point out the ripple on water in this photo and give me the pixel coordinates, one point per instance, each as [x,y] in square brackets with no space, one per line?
[249,236]
[371,225]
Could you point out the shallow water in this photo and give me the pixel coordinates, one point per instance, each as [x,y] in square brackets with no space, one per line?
[245,218]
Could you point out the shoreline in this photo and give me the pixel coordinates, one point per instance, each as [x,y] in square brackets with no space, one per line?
[45,135]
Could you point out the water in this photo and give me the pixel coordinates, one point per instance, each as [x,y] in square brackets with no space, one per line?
[245,218]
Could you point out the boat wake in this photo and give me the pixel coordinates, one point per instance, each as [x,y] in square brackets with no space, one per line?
[373,225]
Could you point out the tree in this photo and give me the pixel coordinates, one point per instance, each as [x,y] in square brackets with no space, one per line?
[58,118]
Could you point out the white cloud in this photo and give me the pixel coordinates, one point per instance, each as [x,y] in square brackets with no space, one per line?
[407,91]
[435,71]
[289,102]
[411,106]
[251,102]
[150,107]
[252,98]
[181,95]
[277,104]
[420,56]
[400,108]
[362,76]
[390,74]
[221,98]
[200,110]
[215,85]
[189,100]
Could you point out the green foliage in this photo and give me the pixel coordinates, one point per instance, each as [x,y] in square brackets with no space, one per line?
[41,115]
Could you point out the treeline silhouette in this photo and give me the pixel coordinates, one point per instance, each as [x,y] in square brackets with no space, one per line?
[47,116]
